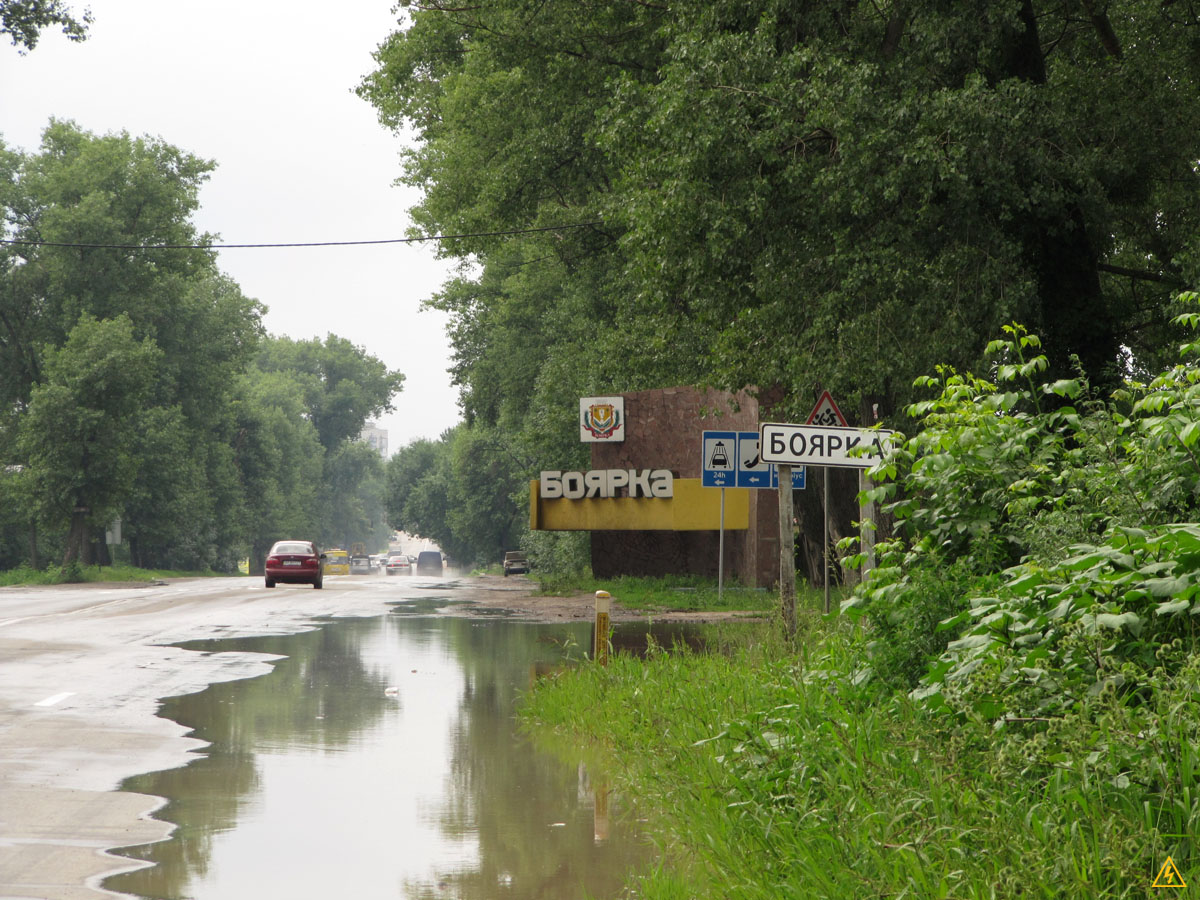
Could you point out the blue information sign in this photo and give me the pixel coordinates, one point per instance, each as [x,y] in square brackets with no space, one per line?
[731,459]
[719,462]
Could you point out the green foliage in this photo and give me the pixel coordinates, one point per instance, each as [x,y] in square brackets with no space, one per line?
[78,434]
[24,21]
[788,195]
[1050,636]
[139,383]
[342,385]
[467,491]
[769,776]
[351,498]
[906,627]
[1083,500]
[561,559]
[670,592]
[1043,587]
[418,487]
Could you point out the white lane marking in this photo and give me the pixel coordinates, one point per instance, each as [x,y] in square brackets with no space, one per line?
[57,698]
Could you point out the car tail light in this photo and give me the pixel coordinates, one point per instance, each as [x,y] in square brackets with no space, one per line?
[272,560]
[311,561]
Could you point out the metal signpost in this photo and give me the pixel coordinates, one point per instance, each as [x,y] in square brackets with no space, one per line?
[826,445]
[732,459]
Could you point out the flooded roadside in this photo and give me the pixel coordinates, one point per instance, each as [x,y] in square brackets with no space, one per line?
[380,758]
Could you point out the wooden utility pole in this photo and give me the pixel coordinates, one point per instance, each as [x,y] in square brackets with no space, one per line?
[787,553]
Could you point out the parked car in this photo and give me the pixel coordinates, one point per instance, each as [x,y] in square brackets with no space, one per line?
[337,562]
[294,562]
[429,562]
[360,565]
[398,565]
[515,563]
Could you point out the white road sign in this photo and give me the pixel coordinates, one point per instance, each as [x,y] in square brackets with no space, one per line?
[822,445]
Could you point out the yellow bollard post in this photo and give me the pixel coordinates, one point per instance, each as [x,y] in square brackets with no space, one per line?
[600,641]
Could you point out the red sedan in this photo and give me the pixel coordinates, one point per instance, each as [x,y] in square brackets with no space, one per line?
[294,562]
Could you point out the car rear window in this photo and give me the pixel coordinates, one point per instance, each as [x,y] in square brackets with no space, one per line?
[295,547]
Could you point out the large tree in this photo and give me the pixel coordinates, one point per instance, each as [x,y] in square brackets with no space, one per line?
[78,210]
[82,430]
[237,440]
[342,385]
[87,215]
[803,194]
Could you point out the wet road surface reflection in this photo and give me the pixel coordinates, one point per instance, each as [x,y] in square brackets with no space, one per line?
[380,760]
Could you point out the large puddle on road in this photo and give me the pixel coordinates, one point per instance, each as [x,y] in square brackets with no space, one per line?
[380,759]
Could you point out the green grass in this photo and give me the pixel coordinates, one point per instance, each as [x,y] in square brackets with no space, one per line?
[683,592]
[767,773]
[77,574]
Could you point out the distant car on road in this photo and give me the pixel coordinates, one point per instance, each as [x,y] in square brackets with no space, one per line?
[515,563]
[294,562]
[360,565]
[398,565]
[429,562]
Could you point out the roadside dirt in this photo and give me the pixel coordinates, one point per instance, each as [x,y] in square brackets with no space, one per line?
[515,594]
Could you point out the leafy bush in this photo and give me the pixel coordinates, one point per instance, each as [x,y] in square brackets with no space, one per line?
[1005,472]
[1053,540]
[1102,619]
[559,557]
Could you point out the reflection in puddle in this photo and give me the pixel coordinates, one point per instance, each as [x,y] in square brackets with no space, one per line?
[427,606]
[379,759]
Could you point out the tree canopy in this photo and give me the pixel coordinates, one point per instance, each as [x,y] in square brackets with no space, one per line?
[137,382]
[793,196]
[801,194]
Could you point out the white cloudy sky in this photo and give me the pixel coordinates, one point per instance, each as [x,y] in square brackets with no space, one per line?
[265,89]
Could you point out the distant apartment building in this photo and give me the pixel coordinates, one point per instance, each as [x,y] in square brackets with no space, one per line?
[376,437]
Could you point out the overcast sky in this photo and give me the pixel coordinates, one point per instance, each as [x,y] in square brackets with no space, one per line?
[265,89]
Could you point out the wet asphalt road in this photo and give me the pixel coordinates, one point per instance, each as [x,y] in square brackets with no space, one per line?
[82,669]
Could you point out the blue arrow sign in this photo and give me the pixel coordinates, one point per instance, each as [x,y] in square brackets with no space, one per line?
[718,463]
[732,459]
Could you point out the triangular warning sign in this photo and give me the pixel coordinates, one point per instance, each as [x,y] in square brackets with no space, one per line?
[826,412]
[1168,876]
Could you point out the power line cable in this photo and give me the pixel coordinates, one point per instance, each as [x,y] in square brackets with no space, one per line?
[411,240]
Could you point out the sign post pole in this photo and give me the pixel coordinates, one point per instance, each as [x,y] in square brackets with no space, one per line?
[721,554]
[825,472]
[787,553]
[745,468]
[820,442]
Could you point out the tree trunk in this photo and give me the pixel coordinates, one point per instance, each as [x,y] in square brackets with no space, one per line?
[258,558]
[1075,319]
[79,547]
